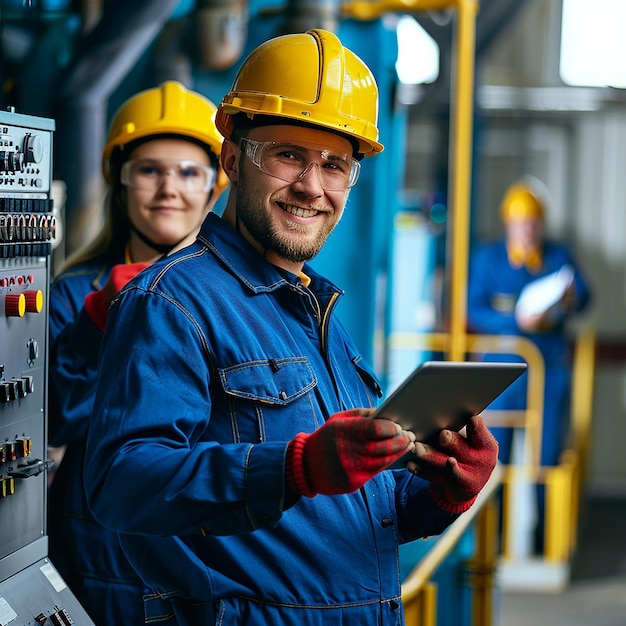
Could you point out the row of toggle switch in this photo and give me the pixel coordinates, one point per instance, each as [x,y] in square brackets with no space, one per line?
[27,226]
[17,250]
[11,451]
[60,617]
[15,388]
[7,486]
[18,304]
[19,448]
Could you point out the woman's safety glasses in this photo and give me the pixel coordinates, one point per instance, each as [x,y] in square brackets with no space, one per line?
[149,174]
[289,162]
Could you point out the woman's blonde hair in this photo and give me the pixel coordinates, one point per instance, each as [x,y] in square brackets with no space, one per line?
[111,241]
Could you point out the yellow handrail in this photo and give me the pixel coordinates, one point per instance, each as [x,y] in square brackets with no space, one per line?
[429,563]
[417,580]
[564,481]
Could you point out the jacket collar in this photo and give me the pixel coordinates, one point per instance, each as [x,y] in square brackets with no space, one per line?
[244,261]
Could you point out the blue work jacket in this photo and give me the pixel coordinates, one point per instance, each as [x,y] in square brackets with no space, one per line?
[74,344]
[494,287]
[212,361]
[87,555]
[493,291]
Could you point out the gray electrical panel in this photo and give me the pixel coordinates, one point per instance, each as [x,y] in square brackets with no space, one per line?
[31,590]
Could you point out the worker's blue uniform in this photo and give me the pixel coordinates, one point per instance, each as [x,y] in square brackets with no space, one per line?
[212,361]
[88,556]
[493,290]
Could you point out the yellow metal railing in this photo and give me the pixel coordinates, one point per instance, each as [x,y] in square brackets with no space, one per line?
[419,594]
[563,482]
[583,378]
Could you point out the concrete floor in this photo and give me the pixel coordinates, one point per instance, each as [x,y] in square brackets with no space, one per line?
[596,595]
[589,603]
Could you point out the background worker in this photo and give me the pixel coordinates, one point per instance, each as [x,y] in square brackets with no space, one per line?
[161,164]
[499,273]
[230,445]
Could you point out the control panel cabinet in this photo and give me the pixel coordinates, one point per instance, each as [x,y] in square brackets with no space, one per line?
[31,590]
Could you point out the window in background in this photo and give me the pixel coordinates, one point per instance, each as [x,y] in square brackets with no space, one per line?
[418,53]
[593,46]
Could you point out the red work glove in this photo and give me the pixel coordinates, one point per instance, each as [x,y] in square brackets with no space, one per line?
[97,302]
[343,454]
[459,468]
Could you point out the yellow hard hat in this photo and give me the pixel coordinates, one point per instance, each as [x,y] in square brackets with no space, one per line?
[307,77]
[169,109]
[520,201]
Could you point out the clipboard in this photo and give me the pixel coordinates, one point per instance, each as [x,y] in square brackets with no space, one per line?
[446,394]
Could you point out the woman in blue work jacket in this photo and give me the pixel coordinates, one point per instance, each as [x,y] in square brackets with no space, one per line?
[161,164]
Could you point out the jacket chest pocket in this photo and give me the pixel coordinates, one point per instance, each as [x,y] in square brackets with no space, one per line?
[270,399]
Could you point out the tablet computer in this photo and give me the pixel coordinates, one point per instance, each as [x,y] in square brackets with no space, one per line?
[445,394]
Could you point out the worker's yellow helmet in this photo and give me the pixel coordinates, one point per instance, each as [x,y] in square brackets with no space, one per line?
[520,201]
[309,78]
[169,109]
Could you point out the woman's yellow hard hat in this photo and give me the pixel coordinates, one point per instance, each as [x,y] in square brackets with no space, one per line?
[170,109]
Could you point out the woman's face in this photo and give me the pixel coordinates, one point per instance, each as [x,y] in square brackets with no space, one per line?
[166,199]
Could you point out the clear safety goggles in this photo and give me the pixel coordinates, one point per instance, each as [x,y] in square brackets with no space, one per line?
[149,174]
[290,162]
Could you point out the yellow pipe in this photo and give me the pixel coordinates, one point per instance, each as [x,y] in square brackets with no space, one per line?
[460,149]
[460,184]
[508,504]
[373,9]
[527,349]
[569,459]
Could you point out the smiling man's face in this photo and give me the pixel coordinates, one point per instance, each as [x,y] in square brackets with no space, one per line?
[289,222]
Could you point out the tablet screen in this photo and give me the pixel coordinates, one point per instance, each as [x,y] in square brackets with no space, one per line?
[445,394]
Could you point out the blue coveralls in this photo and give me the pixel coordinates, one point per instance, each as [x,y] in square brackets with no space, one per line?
[493,289]
[87,555]
[212,361]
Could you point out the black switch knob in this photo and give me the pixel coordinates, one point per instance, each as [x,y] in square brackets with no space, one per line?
[33,349]
[4,392]
[29,384]
[20,387]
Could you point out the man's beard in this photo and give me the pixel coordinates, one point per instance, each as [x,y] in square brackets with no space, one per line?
[253,214]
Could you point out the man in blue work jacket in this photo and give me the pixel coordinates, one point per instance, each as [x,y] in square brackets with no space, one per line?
[230,445]
[527,285]
[500,272]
